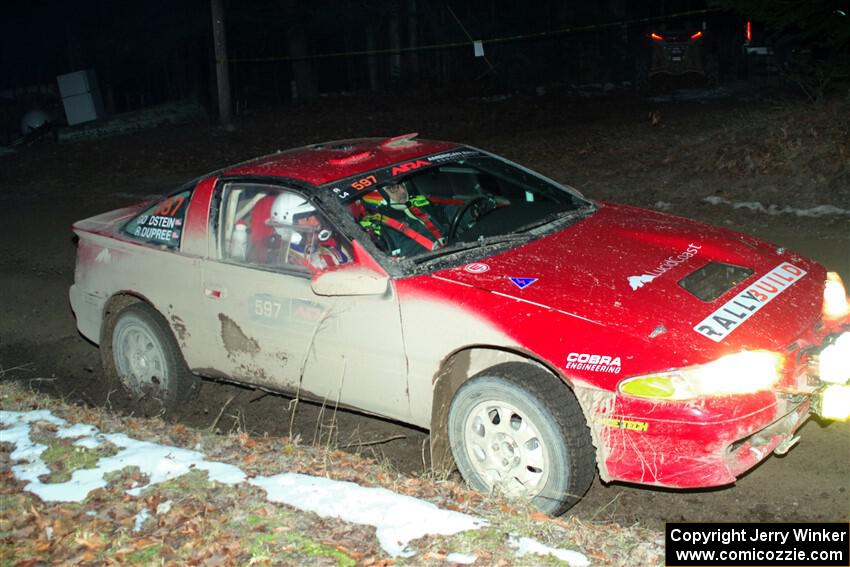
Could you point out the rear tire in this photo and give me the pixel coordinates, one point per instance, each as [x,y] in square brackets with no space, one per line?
[515,431]
[142,357]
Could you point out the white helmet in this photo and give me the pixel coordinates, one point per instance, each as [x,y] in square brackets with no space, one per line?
[286,210]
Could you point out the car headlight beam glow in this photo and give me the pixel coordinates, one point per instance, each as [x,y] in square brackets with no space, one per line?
[835,303]
[739,373]
[835,402]
[834,361]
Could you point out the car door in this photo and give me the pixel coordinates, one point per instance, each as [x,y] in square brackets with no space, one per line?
[272,329]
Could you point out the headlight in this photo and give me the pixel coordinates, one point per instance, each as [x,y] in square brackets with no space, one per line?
[835,403]
[834,361]
[739,373]
[835,304]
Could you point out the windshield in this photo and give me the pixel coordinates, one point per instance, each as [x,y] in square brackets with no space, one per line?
[432,207]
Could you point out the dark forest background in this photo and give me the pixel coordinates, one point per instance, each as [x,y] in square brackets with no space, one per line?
[280,51]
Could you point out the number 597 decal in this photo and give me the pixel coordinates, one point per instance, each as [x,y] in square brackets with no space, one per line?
[367,181]
[266,308]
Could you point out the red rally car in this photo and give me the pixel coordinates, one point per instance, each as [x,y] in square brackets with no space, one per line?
[539,335]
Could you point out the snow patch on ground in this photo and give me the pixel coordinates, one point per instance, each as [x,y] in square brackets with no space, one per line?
[159,462]
[18,434]
[164,507]
[773,210]
[462,558]
[75,431]
[398,518]
[526,545]
[88,442]
[140,520]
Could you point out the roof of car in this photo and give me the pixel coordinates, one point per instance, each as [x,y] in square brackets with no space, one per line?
[319,164]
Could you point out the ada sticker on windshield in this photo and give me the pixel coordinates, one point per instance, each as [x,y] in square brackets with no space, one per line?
[741,307]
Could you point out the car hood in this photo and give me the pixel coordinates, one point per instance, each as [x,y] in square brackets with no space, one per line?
[621,268]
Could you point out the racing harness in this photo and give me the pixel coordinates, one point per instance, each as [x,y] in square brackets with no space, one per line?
[374,221]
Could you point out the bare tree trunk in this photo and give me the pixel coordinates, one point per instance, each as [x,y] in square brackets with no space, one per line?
[225,113]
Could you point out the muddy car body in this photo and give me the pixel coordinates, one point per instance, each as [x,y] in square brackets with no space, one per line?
[543,337]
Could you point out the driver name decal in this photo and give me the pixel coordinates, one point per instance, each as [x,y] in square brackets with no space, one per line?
[730,315]
[156,227]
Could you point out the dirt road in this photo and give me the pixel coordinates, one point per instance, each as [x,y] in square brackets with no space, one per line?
[606,148]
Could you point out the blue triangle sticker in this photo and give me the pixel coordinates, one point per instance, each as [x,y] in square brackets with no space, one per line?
[523,283]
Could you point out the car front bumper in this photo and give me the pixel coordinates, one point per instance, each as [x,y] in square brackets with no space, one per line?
[654,446]
[710,441]
[702,443]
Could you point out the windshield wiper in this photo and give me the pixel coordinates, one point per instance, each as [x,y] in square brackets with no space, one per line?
[482,242]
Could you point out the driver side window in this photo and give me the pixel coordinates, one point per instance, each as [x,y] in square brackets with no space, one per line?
[274,228]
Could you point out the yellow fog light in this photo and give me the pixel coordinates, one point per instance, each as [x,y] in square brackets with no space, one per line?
[834,361]
[835,402]
[835,304]
[739,373]
[651,387]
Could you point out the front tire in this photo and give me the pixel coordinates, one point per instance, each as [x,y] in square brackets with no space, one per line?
[514,430]
[143,357]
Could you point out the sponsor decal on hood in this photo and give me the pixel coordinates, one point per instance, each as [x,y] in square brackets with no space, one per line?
[522,283]
[637,282]
[476,268]
[731,314]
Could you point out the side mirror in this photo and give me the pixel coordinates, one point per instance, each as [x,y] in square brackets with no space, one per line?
[355,280]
